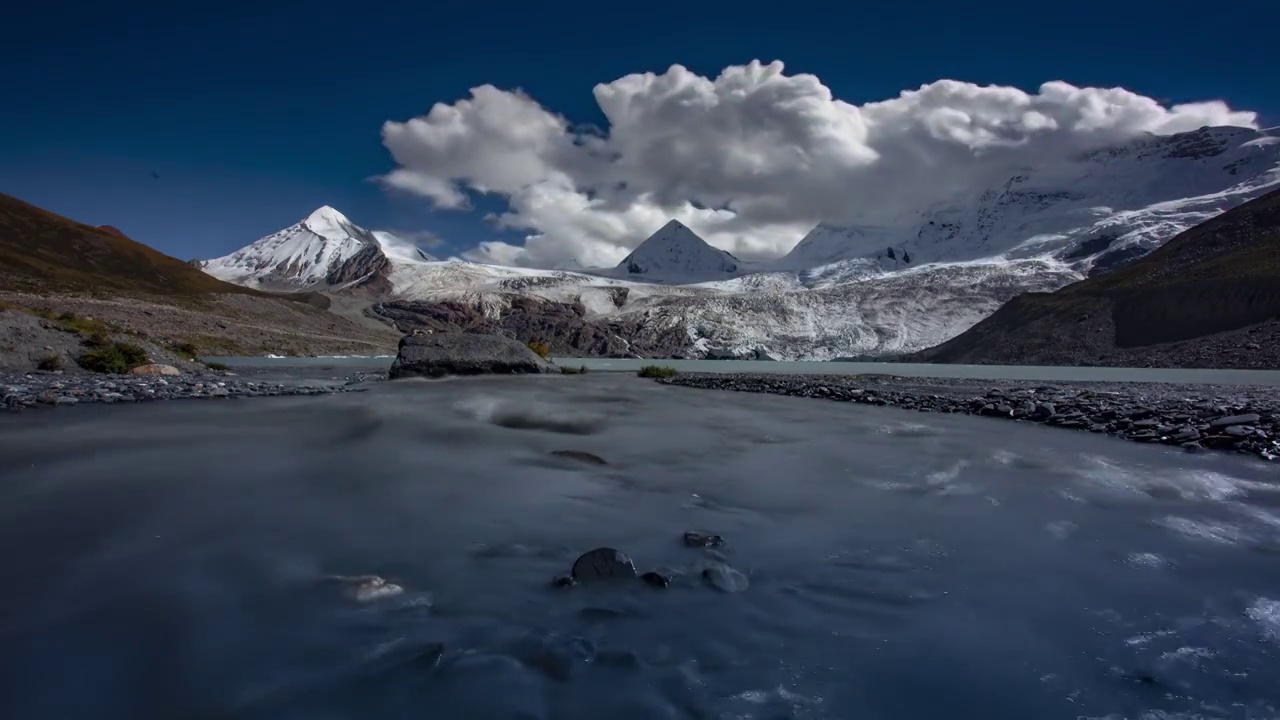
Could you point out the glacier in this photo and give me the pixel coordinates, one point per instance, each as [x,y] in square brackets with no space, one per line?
[896,286]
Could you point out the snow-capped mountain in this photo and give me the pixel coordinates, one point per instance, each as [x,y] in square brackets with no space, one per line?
[676,255]
[1095,210]
[842,291]
[299,256]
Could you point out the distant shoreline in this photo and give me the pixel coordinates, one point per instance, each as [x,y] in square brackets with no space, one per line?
[1239,418]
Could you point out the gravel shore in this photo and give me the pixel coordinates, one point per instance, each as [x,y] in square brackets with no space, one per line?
[19,391]
[1237,418]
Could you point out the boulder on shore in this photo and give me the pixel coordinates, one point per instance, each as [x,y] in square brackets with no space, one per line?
[155,369]
[456,353]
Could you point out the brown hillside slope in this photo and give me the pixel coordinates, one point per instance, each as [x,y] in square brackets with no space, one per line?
[40,250]
[52,264]
[1210,297]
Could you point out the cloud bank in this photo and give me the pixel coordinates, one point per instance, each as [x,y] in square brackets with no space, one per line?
[751,159]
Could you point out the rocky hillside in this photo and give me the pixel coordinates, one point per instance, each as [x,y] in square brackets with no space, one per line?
[1210,297]
[53,266]
[565,328]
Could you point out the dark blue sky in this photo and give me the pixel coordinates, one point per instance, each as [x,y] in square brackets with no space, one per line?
[255,113]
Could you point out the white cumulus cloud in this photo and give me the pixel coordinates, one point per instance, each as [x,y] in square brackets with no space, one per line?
[750,159]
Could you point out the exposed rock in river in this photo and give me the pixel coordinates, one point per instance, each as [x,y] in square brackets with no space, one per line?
[456,353]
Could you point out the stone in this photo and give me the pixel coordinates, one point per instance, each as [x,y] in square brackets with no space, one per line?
[654,579]
[1043,411]
[155,369]
[458,353]
[603,564]
[724,578]
[1239,430]
[580,456]
[697,539]
[563,581]
[1226,422]
[366,588]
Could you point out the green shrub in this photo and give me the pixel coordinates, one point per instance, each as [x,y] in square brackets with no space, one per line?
[541,348]
[108,356]
[657,371]
[574,371]
[77,324]
[49,363]
[220,367]
[186,350]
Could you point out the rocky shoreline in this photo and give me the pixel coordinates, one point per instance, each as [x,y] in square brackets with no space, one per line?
[21,391]
[1243,419]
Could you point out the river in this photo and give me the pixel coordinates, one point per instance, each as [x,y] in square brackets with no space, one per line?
[167,560]
[992,372]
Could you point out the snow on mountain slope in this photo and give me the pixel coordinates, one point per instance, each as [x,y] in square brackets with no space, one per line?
[299,256]
[394,248]
[890,313]
[895,287]
[675,255]
[1133,196]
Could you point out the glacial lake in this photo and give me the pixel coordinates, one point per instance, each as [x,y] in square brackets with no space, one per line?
[993,372]
[169,560]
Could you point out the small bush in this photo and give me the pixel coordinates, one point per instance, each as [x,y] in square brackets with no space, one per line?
[108,356]
[50,363]
[657,371]
[540,348]
[81,325]
[186,350]
[220,367]
[574,371]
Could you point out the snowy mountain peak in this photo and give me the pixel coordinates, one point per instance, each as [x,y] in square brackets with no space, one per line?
[1102,207]
[328,222]
[675,254]
[299,256]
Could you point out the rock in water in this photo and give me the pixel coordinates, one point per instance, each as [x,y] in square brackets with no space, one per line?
[155,369]
[366,588]
[655,579]
[457,353]
[724,578]
[603,564]
[697,539]
[580,456]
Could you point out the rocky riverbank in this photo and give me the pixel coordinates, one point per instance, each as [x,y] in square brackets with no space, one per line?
[1244,419]
[40,389]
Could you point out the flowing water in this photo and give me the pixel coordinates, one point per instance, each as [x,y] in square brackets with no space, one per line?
[169,560]
[978,372]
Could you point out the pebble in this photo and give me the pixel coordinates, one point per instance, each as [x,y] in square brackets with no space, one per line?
[19,391]
[1243,419]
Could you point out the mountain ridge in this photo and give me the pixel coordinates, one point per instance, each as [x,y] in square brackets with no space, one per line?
[54,266]
[864,289]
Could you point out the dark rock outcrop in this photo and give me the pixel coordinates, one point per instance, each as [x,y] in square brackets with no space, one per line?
[363,273]
[456,353]
[564,327]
